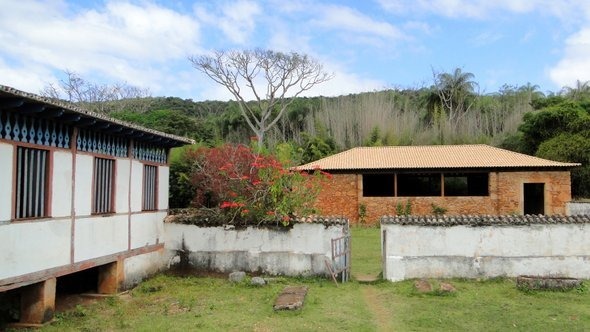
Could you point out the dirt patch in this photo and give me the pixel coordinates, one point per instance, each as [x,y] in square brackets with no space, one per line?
[381,315]
[67,302]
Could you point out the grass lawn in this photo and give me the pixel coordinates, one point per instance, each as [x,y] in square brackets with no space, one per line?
[174,303]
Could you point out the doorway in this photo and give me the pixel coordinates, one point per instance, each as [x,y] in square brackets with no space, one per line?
[534,198]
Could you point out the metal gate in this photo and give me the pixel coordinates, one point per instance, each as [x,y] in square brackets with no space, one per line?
[339,266]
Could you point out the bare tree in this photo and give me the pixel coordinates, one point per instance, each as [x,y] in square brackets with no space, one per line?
[92,96]
[274,78]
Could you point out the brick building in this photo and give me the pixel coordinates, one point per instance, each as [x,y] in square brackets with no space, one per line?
[369,182]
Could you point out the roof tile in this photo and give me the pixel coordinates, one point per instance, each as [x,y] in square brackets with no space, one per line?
[430,157]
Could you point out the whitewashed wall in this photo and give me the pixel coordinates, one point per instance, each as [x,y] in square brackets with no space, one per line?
[147,229]
[83,178]
[100,236]
[123,167]
[411,251]
[32,247]
[163,187]
[136,185]
[301,250]
[61,193]
[6,155]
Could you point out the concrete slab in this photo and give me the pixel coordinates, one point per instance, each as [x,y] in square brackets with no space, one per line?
[291,298]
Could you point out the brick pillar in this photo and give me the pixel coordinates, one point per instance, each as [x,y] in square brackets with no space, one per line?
[110,277]
[38,302]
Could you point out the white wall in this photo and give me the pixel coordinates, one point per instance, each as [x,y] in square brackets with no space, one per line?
[100,236]
[6,185]
[163,187]
[301,250]
[83,195]
[490,251]
[140,267]
[122,185]
[136,185]
[147,229]
[34,246]
[61,203]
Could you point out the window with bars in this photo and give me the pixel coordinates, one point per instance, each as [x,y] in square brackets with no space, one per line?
[104,178]
[32,183]
[150,177]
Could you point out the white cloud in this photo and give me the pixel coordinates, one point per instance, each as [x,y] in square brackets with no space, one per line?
[237,20]
[346,19]
[30,78]
[480,9]
[575,64]
[486,38]
[120,41]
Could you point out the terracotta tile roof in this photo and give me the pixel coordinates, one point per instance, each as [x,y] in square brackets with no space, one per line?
[9,92]
[430,157]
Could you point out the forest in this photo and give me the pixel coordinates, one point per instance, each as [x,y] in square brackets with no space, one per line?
[552,125]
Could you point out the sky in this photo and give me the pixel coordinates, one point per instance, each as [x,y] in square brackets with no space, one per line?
[367,45]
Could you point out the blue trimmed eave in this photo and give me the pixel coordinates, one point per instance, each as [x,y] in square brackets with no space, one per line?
[22,103]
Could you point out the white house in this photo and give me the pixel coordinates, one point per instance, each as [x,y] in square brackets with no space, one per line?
[78,191]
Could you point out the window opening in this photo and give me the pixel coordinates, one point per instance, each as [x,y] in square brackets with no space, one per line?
[413,185]
[378,185]
[466,184]
[149,187]
[104,173]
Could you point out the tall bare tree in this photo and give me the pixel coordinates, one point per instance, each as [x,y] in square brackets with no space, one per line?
[92,96]
[274,78]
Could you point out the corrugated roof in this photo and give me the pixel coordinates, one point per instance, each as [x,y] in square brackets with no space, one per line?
[10,92]
[430,157]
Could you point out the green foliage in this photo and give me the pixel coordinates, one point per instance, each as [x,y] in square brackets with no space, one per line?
[571,147]
[549,122]
[287,153]
[558,132]
[403,209]
[181,190]
[362,214]
[375,138]
[438,210]
[316,147]
[169,121]
[247,187]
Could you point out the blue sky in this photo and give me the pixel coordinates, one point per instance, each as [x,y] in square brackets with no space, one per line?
[368,45]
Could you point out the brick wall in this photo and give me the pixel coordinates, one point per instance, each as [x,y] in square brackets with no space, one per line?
[339,197]
[342,195]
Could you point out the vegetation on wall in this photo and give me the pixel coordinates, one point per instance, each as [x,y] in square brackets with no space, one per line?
[241,186]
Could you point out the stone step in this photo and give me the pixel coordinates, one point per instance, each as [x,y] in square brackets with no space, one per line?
[291,298]
[366,278]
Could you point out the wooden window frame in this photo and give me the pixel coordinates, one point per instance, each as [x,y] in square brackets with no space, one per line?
[47,185]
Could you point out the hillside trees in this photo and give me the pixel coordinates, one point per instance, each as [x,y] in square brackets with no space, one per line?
[560,132]
[270,76]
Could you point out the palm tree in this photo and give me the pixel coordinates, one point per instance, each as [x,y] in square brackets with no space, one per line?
[581,90]
[455,92]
